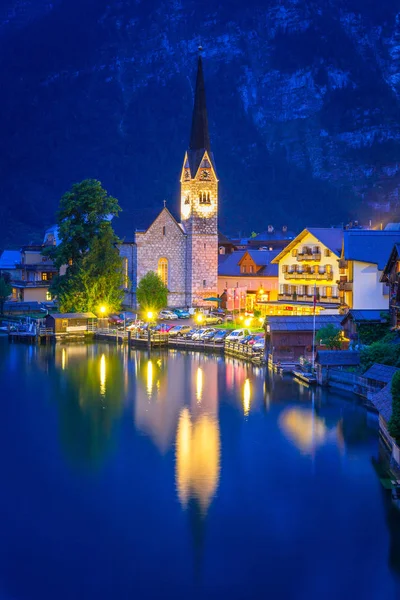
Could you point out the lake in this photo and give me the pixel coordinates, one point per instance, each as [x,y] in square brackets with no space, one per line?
[185,476]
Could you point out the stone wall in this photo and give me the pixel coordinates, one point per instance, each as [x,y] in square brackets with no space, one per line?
[127,251]
[202,276]
[163,239]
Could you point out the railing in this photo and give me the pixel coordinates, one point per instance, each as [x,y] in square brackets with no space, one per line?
[45,331]
[309,298]
[27,283]
[308,276]
[345,286]
[308,256]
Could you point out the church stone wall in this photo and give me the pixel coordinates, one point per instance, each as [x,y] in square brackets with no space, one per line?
[128,251]
[202,266]
[153,245]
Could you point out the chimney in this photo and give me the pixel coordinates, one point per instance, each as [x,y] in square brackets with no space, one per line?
[270,228]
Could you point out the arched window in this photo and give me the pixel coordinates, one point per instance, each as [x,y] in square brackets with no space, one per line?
[163,270]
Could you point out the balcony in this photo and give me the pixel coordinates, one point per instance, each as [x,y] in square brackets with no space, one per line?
[309,276]
[308,256]
[345,286]
[20,283]
[309,299]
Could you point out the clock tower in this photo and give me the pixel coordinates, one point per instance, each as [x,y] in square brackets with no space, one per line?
[199,204]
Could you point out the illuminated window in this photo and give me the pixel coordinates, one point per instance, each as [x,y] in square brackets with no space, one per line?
[44,277]
[163,270]
[205,197]
[48,296]
[70,262]
[125,271]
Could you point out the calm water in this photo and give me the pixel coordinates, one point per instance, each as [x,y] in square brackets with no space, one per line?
[185,477]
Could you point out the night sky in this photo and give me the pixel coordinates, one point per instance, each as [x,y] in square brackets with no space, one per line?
[303,100]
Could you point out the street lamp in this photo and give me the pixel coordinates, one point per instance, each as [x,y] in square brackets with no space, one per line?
[103,309]
[199,319]
[150,315]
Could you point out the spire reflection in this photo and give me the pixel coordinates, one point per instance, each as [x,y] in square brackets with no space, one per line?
[197,459]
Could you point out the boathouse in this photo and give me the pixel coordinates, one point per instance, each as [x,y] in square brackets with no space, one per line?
[337,360]
[63,323]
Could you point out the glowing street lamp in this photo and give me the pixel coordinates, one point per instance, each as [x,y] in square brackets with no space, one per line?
[150,315]
[103,310]
[199,318]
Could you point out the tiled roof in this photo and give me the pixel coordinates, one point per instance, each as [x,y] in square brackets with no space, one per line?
[9,258]
[366,315]
[87,315]
[338,357]
[302,323]
[230,267]
[331,237]
[382,373]
[383,402]
[370,246]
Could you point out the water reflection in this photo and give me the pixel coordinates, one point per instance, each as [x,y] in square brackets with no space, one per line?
[246,397]
[89,391]
[304,428]
[197,458]
[199,384]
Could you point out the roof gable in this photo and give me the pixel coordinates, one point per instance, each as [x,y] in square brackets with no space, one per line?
[170,218]
[331,237]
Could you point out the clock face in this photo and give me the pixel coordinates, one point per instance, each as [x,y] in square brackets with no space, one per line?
[205,175]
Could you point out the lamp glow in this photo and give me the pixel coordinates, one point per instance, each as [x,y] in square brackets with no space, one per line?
[150,315]
[246,397]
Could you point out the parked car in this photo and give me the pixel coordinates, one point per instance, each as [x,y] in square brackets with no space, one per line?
[198,333]
[190,333]
[162,327]
[258,337]
[247,340]
[166,315]
[115,320]
[219,336]
[208,333]
[181,314]
[213,319]
[259,345]
[237,335]
[179,330]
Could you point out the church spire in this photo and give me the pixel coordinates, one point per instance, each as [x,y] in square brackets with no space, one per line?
[200,137]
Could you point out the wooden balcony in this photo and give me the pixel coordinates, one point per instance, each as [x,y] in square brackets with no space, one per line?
[309,276]
[309,299]
[345,286]
[308,256]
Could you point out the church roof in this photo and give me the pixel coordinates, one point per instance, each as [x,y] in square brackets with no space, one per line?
[199,135]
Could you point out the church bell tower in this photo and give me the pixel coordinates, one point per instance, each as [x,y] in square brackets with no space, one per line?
[199,204]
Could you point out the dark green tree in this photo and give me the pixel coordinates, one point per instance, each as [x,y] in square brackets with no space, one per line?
[330,336]
[151,292]
[87,252]
[5,290]
[394,422]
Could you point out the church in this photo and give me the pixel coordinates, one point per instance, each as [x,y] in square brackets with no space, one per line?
[184,253]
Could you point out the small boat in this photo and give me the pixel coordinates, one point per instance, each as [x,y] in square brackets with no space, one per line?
[307,377]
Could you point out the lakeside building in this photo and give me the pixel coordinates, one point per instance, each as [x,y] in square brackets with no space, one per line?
[30,271]
[362,263]
[309,262]
[184,253]
[248,272]
[391,277]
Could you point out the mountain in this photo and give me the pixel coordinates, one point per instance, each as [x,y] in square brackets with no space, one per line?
[303,101]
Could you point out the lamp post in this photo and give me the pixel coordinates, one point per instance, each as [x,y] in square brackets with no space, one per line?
[199,319]
[149,317]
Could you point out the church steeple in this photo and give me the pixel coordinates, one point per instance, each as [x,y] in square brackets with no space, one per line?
[200,137]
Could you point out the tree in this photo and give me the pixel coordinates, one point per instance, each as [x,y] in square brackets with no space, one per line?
[87,251]
[330,336]
[81,213]
[5,290]
[394,422]
[151,292]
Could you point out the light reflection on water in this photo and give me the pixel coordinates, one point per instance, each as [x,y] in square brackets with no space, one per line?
[209,444]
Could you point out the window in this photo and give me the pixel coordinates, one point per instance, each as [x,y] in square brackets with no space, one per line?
[251,269]
[70,262]
[284,268]
[187,199]
[205,246]
[44,277]
[48,295]
[125,267]
[243,269]
[204,283]
[163,230]
[294,252]
[327,252]
[205,197]
[163,270]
